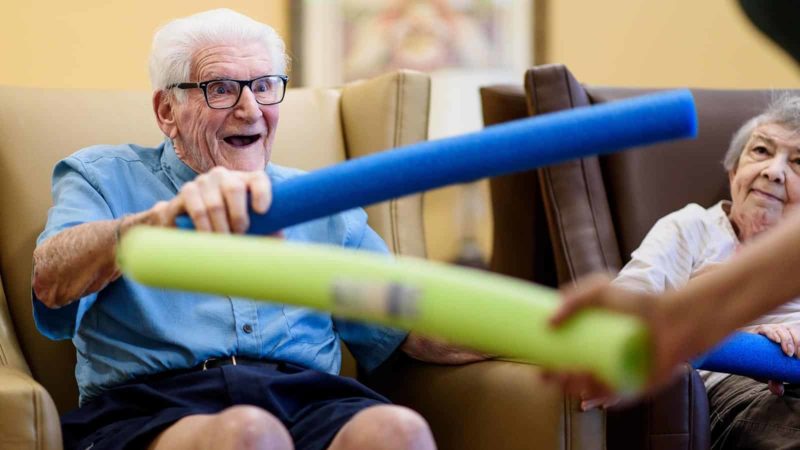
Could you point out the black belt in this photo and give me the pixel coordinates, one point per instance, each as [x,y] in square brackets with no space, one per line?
[213,363]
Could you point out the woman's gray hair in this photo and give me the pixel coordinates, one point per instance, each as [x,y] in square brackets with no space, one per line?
[784,110]
[175,44]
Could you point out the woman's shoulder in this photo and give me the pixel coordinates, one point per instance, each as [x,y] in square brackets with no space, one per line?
[694,222]
[692,213]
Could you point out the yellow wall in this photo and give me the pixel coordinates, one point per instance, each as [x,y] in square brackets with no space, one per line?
[104,44]
[98,43]
[708,43]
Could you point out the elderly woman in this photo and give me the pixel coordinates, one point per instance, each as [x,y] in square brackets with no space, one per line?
[763,166]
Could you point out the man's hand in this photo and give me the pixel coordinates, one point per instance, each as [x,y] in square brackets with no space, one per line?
[438,352]
[785,334]
[589,403]
[666,351]
[216,201]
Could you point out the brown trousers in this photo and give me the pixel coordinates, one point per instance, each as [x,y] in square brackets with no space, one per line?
[746,415]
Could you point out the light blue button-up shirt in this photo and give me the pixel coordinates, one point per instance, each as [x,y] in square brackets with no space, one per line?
[128,330]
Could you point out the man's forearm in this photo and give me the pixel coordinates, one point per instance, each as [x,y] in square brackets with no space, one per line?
[75,262]
[438,352]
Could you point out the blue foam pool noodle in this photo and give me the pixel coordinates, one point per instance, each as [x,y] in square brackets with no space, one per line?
[751,355]
[496,150]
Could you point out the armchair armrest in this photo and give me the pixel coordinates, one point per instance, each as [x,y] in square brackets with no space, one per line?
[491,404]
[28,416]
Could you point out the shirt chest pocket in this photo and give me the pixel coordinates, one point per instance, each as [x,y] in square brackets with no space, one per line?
[308,326]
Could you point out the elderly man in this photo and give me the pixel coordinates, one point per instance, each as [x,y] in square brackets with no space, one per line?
[169,370]
[763,165]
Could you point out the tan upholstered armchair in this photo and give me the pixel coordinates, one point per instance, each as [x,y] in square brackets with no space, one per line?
[481,406]
[561,222]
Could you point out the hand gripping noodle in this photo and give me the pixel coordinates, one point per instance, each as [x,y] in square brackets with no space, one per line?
[751,355]
[510,147]
[488,312]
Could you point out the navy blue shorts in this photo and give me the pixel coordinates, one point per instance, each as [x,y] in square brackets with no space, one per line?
[312,405]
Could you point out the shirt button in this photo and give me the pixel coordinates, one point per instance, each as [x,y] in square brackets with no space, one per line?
[247,328]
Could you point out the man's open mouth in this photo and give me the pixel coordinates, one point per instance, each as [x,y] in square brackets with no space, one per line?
[241,140]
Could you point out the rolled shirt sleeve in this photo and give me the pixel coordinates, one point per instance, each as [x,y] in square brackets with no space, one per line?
[76,201]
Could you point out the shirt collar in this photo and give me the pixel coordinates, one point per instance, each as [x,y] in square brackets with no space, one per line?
[177,171]
[723,209]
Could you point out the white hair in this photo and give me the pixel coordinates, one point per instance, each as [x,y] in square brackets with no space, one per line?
[783,110]
[175,44]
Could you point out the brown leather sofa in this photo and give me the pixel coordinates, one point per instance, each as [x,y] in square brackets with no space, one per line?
[558,223]
[488,405]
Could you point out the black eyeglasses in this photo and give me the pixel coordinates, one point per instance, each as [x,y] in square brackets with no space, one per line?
[224,94]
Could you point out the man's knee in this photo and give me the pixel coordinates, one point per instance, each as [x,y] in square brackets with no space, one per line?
[250,427]
[388,426]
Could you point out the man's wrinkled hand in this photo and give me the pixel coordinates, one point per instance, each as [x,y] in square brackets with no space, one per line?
[439,352]
[216,201]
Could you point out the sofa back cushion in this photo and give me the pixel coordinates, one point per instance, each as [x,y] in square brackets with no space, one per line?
[38,127]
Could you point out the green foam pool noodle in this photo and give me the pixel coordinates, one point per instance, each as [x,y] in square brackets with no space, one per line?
[488,312]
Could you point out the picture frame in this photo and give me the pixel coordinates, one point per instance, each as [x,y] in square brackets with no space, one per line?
[336,41]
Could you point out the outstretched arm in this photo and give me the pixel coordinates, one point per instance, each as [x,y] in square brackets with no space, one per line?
[81,260]
[762,277]
[688,321]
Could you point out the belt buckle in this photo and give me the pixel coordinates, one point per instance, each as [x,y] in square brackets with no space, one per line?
[205,363]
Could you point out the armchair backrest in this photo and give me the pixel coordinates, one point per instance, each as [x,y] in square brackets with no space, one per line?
[318,127]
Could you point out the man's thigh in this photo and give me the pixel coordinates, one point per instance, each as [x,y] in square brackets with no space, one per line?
[312,405]
[133,414]
[237,427]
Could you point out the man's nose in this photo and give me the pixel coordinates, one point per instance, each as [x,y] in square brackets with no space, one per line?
[247,109]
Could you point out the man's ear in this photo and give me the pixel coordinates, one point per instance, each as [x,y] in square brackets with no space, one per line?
[164,108]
